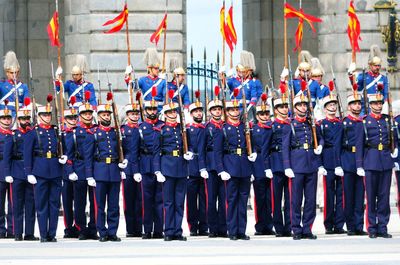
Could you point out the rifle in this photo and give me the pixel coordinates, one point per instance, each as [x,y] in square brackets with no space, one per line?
[246,123]
[366,107]
[391,123]
[271,80]
[269,91]
[291,88]
[116,121]
[58,116]
[34,118]
[182,116]
[312,118]
[206,98]
[98,81]
[223,87]
[338,95]
[140,99]
[16,93]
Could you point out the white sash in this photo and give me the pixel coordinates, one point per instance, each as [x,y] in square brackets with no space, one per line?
[149,90]
[374,82]
[10,93]
[179,90]
[79,89]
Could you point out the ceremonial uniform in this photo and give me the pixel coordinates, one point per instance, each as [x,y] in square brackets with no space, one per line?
[317,91]
[397,160]
[184,93]
[371,84]
[146,83]
[7,92]
[6,221]
[249,86]
[78,89]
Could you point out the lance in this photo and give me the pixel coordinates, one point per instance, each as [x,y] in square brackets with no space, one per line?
[223,36]
[338,94]
[58,115]
[98,81]
[391,123]
[165,39]
[33,93]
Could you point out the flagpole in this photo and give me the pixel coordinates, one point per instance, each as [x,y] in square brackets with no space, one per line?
[231,65]
[129,51]
[223,38]
[285,37]
[59,65]
[58,46]
[299,48]
[165,39]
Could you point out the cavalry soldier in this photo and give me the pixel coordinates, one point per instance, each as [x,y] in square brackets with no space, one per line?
[196,202]
[152,193]
[179,78]
[330,128]
[131,187]
[6,135]
[301,164]
[170,167]
[396,164]
[280,190]
[353,184]
[78,85]
[43,168]
[261,140]
[216,209]
[318,91]
[7,88]
[375,161]
[104,172]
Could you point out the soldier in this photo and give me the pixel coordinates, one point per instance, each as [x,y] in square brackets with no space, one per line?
[301,164]
[280,181]
[179,78]
[152,204]
[104,172]
[7,91]
[78,85]
[131,187]
[170,167]
[396,164]
[318,90]
[353,184]
[43,169]
[6,135]
[374,160]
[196,202]
[216,209]
[261,140]
[330,128]
[23,199]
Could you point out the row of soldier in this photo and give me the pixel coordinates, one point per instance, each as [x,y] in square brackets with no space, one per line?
[155,169]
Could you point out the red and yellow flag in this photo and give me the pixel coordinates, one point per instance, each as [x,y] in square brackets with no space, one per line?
[353,28]
[299,34]
[53,30]
[155,37]
[222,21]
[230,26]
[119,21]
[227,28]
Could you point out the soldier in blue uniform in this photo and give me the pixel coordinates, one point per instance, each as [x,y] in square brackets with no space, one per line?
[170,167]
[397,160]
[196,202]
[152,193]
[261,141]
[7,88]
[233,166]
[317,89]
[374,160]
[352,183]
[43,168]
[281,218]
[330,128]
[6,135]
[216,207]
[131,187]
[301,164]
[23,199]
[179,78]
[104,172]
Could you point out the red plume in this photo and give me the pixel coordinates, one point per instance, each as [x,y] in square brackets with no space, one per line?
[303,85]
[6,102]
[216,91]
[236,92]
[197,94]
[138,95]
[109,96]
[49,98]
[331,85]
[72,101]
[171,93]
[380,86]
[87,95]
[355,87]
[282,87]
[27,101]
[154,91]
[264,97]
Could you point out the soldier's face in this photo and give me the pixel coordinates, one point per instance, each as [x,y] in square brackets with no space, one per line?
[181,78]
[263,116]
[301,109]
[76,77]
[355,107]
[304,73]
[24,121]
[106,116]
[234,113]
[216,112]
[375,68]
[197,114]
[331,108]
[46,118]
[283,109]
[376,107]
[317,78]
[154,71]
[5,121]
[133,116]
[171,115]
[12,75]
[71,121]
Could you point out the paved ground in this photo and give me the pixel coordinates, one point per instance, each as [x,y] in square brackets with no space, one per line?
[336,249]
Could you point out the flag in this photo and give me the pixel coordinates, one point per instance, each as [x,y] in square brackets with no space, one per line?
[230,26]
[222,21]
[118,21]
[291,12]
[156,35]
[299,34]
[227,28]
[52,30]
[228,37]
[353,28]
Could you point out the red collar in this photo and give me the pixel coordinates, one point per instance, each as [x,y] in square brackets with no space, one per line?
[151,121]
[69,129]
[282,121]
[333,119]
[233,124]
[376,116]
[372,74]
[80,82]
[106,129]
[196,125]
[217,124]
[43,126]
[22,130]
[84,126]
[132,125]
[11,81]
[152,78]
[5,131]
[263,125]
[300,119]
[171,124]
[352,118]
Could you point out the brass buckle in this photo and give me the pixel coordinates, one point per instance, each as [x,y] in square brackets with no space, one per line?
[175,152]
[239,151]
[353,149]
[305,146]
[380,146]
[108,160]
[48,155]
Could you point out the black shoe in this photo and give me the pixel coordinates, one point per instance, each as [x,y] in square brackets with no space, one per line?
[103,239]
[158,235]
[114,238]
[351,233]
[130,235]
[43,240]
[361,233]
[82,237]
[146,236]
[18,238]
[297,237]
[279,235]
[269,233]
[243,237]
[71,235]
[168,238]
[372,236]
[204,233]
[339,231]
[384,235]
[10,235]
[2,235]
[287,234]
[309,236]
[212,235]
[30,238]
[93,237]
[180,238]
[258,233]
[224,235]
[233,237]
[194,233]
[329,231]
[51,239]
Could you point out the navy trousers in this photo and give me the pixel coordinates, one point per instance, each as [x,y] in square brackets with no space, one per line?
[174,198]
[80,194]
[281,215]
[196,205]
[263,204]
[5,192]
[68,209]
[23,207]
[333,201]
[354,201]
[152,194]
[216,213]
[132,196]
[107,193]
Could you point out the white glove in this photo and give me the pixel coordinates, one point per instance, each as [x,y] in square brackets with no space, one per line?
[204,173]
[284,74]
[224,175]
[128,70]
[63,159]
[252,178]
[395,153]
[322,171]
[32,179]
[252,157]
[123,175]
[230,72]
[59,71]
[289,173]
[352,68]
[9,179]
[188,156]
[360,172]
[137,177]
[73,176]
[268,173]
[396,166]
[297,73]
[162,76]
[160,177]
[124,164]
[339,171]
[91,182]
[222,70]
[318,151]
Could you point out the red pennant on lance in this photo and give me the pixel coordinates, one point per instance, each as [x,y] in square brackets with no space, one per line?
[230,27]
[155,37]
[353,28]
[299,34]
[118,21]
[53,30]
